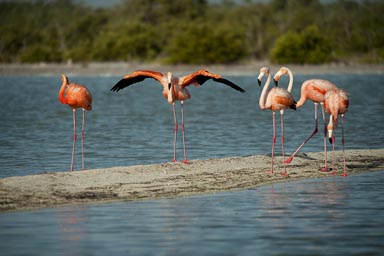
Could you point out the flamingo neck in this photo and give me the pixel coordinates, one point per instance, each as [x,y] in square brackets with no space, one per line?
[303,96]
[290,85]
[62,98]
[263,96]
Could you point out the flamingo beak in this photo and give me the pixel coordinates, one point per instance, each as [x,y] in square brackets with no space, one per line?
[276,82]
[259,82]
[169,86]
[330,136]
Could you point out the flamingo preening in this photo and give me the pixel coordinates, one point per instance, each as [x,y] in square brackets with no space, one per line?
[76,96]
[336,103]
[276,99]
[174,89]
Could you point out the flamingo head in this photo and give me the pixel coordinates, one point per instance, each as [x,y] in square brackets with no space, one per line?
[264,71]
[282,72]
[330,128]
[65,80]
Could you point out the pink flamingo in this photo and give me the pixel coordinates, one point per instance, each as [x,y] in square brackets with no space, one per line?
[75,96]
[276,99]
[174,89]
[336,103]
[315,90]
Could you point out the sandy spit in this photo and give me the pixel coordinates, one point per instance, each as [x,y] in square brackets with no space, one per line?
[169,180]
[122,68]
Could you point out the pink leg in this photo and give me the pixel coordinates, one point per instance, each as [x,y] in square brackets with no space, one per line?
[345,174]
[289,159]
[82,141]
[74,139]
[175,133]
[282,141]
[325,169]
[273,140]
[333,153]
[183,133]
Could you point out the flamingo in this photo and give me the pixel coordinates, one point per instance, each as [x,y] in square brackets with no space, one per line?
[174,89]
[76,96]
[276,99]
[315,90]
[336,103]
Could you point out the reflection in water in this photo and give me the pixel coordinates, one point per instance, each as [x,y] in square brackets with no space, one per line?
[332,214]
[73,231]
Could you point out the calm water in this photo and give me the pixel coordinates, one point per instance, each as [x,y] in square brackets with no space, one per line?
[333,216]
[329,216]
[135,125]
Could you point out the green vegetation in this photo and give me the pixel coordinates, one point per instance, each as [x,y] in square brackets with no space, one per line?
[193,31]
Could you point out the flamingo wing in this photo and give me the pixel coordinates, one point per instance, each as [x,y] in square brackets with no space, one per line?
[136,77]
[201,76]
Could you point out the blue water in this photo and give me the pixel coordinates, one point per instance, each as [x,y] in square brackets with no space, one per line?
[135,125]
[328,216]
[332,216]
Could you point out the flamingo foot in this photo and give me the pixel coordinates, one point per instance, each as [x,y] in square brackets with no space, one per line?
[174,160]
[270,172]
[284,173]
[288,160]
[345,174]
[185,161]
[325,169]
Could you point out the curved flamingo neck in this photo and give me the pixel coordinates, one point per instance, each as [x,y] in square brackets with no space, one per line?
[62,98]
[303,96]
[290,85]
[263,96]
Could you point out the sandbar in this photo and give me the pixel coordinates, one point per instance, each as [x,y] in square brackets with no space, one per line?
[170,180]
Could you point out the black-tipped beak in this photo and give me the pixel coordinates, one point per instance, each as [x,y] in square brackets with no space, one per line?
[169,86]
[259,82]
[276,82]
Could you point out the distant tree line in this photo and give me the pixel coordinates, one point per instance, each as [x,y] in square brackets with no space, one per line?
[193,32]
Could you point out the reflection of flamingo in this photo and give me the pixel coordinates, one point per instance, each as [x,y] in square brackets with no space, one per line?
[75,96]
[314,90]
[276,99]
[336,103]
[173,90]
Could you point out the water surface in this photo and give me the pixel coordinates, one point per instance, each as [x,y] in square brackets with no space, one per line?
[135,125]
[328,216]
[332,216]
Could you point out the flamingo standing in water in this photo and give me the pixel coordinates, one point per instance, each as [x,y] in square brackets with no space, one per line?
[336,103]
[276,99]
[76,96]
[174,89]
[315,90]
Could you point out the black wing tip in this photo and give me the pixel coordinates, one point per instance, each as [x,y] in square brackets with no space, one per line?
[242,90]
[231,84]
[118,86]
[115,89]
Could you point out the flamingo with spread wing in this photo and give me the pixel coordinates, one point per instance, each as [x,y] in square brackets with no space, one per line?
[174,89]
